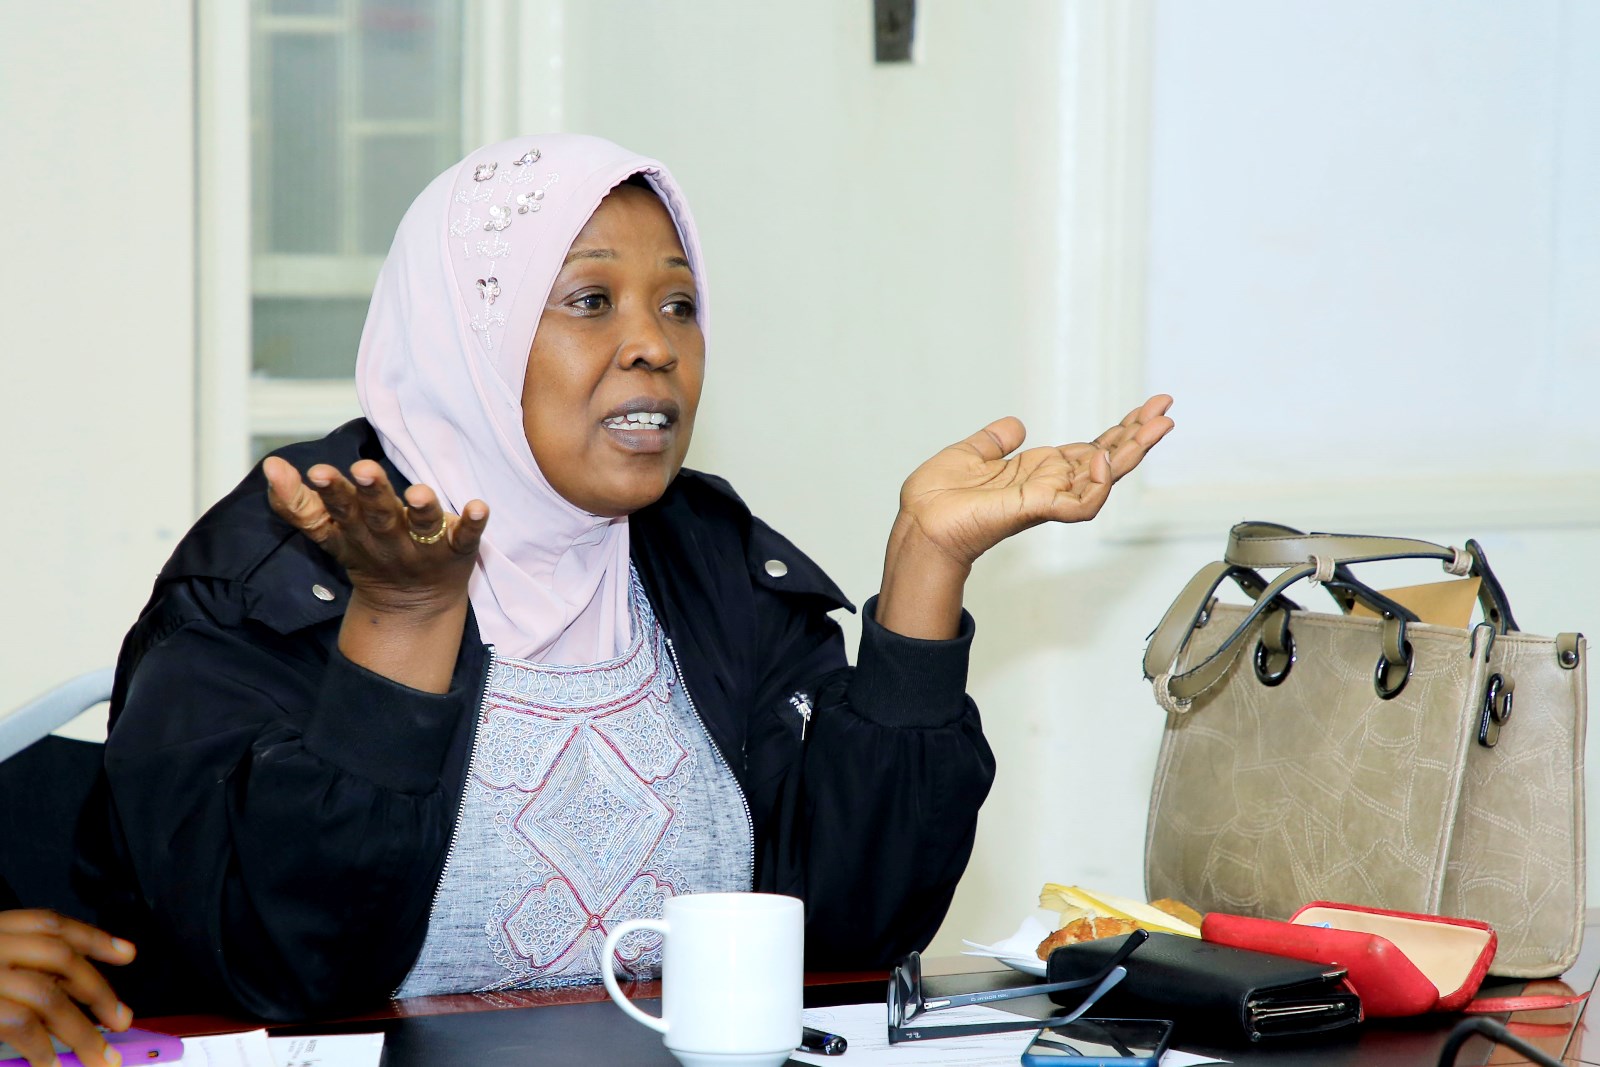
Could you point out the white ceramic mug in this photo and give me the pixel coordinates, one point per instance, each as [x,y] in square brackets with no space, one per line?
[732,972]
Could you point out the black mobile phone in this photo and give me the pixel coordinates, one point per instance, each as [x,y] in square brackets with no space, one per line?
[1100,1043]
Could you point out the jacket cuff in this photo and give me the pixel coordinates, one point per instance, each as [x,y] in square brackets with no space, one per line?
[906,681]
[385,732]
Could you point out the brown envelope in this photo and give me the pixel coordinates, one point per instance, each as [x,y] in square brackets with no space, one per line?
[1447,603]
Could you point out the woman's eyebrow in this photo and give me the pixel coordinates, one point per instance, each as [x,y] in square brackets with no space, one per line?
[607,253]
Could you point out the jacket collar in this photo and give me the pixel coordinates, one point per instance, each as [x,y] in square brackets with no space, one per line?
[287,581]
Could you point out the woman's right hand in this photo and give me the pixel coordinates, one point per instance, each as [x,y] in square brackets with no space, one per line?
[359,521]
[408,598]
[45,976]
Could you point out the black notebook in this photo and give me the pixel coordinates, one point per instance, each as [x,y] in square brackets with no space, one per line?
[1214,992]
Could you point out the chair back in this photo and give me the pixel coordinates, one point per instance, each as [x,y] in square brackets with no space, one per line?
[53,710]
[44,782]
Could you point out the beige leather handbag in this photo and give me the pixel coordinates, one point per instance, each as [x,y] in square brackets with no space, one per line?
[1374,761]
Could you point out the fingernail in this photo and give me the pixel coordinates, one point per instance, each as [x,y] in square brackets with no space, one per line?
[124,1014]
[121,945]
[318,480]
[362,479]
[112,1056]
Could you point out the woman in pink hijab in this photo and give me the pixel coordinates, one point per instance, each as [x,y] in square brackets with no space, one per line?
[431,704]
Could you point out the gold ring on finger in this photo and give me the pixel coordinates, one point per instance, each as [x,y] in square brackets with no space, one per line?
[433,538]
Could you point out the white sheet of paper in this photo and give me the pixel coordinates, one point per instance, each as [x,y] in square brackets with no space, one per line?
[332,1050]
[866,1027]
[1174,1058]
[255,1049]
[248,1049]
[1023,944]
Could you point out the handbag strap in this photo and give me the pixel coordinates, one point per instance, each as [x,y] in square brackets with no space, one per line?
[1174,692]
[1301,555]
[1270,544]
[1346,589]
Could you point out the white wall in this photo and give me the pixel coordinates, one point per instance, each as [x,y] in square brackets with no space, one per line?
[96,405]
[880,239]
[881,243]
[1392,252]
[885,275]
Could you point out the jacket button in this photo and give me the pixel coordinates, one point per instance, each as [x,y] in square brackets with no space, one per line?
[322,592]
[777,568]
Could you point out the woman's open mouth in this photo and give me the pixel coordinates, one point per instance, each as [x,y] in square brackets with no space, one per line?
[643,426]
[638,420]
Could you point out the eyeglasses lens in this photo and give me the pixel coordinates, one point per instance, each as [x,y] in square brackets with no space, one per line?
[907,988]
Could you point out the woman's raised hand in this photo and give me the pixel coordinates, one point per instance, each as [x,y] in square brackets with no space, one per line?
[46,982]
[976,493]
[408,562]
[404,554]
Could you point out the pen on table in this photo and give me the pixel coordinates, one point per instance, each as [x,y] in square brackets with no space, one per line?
[814,1040]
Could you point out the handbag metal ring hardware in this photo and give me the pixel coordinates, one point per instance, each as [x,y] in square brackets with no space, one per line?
[1497,700]
[1502,688]
[1262,657]
[1380,676]
[1489,722]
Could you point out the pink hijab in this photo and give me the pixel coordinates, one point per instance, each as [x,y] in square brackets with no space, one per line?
[440,374]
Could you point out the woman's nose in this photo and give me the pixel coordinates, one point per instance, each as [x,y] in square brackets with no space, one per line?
[645,345]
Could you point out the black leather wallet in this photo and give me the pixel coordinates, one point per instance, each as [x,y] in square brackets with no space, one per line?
[1215,992]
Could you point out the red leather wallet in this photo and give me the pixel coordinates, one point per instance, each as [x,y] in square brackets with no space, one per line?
[1397,962]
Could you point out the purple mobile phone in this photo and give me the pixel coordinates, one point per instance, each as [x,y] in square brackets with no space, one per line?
[135,1046]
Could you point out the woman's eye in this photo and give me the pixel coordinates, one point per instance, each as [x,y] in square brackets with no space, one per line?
[680,309]
[590,302]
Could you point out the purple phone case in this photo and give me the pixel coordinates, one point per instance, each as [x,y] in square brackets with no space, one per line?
[136,1046]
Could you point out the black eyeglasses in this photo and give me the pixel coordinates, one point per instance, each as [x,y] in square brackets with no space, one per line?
[907,1002]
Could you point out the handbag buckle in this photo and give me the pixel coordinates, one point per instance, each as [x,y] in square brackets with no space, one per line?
[1496,710]
[1380,675]
[1263,658]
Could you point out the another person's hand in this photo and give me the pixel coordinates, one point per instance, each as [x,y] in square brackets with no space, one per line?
[46,981]
[974,494]
[400,554]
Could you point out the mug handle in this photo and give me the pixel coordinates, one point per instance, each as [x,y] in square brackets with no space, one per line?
[609,973]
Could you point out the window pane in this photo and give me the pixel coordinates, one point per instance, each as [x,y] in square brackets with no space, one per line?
[396,169]
[298,337]
[356,106]
[410,60]
[302,187]
[304,7]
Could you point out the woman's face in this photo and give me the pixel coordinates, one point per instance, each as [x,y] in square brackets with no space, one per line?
[616,366]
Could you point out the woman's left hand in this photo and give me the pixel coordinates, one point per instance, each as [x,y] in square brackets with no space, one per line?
[976,493]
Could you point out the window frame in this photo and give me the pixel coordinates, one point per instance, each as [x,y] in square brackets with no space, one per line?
[510,84]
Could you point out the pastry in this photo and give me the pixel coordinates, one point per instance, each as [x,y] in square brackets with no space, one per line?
[1090,928]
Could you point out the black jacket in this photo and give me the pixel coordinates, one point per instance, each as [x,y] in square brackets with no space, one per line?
[274,819]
